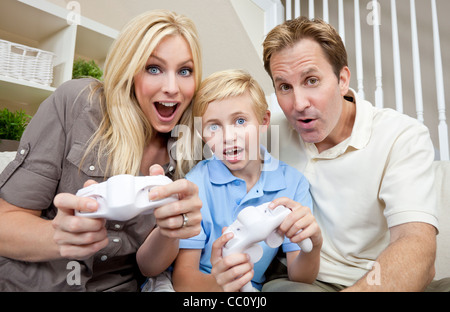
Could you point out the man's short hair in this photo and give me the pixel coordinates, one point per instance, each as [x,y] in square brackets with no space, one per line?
[292,31]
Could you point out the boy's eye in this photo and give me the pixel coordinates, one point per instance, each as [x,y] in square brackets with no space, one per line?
[240,121]
[213,128]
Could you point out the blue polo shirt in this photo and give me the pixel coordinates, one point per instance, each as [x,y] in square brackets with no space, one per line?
[224,196]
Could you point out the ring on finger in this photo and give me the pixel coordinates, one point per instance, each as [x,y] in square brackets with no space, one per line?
[185,220]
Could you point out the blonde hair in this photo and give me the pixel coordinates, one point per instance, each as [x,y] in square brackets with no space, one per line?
[124,130]
[226,84]
[292,31]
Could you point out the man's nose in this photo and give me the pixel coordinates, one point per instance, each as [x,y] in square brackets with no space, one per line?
[301,100]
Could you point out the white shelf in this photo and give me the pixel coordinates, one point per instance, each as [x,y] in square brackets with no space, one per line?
[23,92]
[44,25]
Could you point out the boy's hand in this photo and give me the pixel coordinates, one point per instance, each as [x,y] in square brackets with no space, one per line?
[300,223]
[232,272]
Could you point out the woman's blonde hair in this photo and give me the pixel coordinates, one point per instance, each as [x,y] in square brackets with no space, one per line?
[124,130]
[226,84]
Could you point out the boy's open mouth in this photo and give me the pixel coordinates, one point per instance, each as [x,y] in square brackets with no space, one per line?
[232,151]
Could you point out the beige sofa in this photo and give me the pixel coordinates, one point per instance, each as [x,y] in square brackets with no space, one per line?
[442,169]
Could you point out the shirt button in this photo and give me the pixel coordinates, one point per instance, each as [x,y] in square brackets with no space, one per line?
[116,240]
[117,226]
[104,257]
[171,168]
[92,168]
[22,151]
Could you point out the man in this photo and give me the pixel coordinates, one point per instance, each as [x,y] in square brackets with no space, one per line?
[369,169]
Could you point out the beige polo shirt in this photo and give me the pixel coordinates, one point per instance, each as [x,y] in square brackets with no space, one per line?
[379,177]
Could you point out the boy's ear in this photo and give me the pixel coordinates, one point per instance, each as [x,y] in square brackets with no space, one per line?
[266,121]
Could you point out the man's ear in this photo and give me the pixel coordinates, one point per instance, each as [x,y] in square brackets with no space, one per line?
[344,80]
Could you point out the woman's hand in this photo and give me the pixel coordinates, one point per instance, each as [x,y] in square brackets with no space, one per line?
[182,218]
[78,237]
[231,272]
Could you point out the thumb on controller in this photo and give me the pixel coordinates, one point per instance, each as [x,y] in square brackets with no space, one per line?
[156,170]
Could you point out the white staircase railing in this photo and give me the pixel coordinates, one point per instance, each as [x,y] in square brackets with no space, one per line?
[367,13]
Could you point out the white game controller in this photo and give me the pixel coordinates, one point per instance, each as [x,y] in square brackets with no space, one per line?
[123,197]
[255,224]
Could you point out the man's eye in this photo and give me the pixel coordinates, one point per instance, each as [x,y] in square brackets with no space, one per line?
[312,81]
[284,87]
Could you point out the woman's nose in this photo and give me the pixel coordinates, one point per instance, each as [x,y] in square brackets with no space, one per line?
[170,85]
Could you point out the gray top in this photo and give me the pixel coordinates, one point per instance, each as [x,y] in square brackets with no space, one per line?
[47,163]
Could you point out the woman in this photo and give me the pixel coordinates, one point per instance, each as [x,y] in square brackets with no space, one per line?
[91,130]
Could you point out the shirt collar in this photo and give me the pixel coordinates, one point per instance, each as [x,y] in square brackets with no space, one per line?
[361,132]
[362,128]
[272,178]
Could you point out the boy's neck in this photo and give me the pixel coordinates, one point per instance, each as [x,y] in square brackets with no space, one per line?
[250,174]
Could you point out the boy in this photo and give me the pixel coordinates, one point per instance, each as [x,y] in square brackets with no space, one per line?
[233,110]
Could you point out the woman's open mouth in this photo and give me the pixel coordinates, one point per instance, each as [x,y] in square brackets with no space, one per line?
[166,110]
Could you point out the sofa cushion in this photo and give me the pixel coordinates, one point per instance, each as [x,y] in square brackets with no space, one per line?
[442,169]
[5,158]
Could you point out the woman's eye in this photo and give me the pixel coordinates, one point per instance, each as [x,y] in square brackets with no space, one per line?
[186,72]
[154,70]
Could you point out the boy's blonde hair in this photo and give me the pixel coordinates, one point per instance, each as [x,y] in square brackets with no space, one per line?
[230,83]
[124,130]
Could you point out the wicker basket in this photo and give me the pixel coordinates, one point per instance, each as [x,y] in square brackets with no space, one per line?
[22,62]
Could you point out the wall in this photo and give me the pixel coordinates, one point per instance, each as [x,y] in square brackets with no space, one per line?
[230,32]
[225,42]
